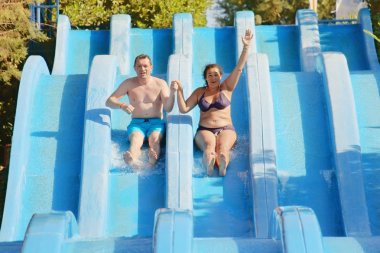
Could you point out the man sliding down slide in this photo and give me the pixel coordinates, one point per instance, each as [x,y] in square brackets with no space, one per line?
[148,95]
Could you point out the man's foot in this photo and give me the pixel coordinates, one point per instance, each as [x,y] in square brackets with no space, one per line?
[129,158]
[153,156]
[208,163]
[222,165]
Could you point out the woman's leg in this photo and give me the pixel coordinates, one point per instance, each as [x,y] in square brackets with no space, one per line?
[224,142]
[206,141]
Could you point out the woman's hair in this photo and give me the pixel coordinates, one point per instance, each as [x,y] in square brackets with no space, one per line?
[210,66]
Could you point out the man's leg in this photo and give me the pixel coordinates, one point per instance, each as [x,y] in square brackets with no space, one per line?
[154,146]
[136,140]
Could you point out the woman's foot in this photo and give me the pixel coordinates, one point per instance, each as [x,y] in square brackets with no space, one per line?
[223,162]
[209,162]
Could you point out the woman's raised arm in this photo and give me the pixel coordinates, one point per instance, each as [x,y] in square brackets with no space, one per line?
[232,80]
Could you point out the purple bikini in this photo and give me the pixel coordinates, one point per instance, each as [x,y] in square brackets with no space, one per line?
[220,103]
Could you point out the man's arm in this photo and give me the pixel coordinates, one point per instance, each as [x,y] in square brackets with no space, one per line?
[167,96]
[113,100]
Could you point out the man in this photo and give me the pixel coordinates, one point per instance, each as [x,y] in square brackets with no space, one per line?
[148,95]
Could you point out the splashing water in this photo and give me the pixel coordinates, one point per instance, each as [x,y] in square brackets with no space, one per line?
[239,151]
[143,167]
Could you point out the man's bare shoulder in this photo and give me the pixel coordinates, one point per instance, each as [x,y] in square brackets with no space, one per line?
[159,81]
[129,82]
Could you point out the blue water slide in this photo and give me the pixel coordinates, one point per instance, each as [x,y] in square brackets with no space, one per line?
[45,161]
[48,232]
[365,87]
[125,198]
[211,200]
[303,175]
[76,48]
[346,146]
[222,198]
[303,163]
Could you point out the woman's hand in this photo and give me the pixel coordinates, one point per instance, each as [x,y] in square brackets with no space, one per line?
[246,39]
[176,85]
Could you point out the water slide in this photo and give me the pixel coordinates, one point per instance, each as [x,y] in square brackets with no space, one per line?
[303,175]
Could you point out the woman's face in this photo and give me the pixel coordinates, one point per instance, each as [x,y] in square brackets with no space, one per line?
[213,77]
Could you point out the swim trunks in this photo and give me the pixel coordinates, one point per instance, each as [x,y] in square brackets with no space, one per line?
[146,126]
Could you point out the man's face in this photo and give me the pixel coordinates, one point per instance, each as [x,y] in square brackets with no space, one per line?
[143,68]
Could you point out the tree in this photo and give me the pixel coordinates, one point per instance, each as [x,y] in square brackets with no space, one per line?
[375,16]
[144,13]
[15,33]
[272,11]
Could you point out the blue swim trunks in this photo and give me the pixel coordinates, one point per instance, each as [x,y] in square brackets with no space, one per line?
[146,126]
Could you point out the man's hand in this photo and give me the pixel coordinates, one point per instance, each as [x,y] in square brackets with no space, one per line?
[127,108]
[175,85]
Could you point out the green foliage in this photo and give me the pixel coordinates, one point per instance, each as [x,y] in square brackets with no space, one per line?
[15,32]
[375,16]
[326,8]
[272,11]
[144,13]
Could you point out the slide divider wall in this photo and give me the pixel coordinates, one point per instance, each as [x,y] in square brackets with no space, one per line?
[61,46]
[345,142]
[298,230]
[47,233]
[262,153]
[34,68]
[96,156]
[309,42]
[364,18]
[173,226]
[120,45]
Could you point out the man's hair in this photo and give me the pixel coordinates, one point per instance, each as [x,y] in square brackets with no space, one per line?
[142,56]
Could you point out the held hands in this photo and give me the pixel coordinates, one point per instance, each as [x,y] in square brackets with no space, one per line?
[246,39]
[176,85]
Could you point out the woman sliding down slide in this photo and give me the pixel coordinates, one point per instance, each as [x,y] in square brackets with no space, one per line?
[216,134]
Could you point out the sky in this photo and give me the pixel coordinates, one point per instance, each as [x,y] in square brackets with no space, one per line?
[212,13]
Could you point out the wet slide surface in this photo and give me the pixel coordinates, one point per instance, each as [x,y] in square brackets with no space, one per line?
[52,173]
[280,44]
[365,85]
[135,192]
[304,160]
[221,204]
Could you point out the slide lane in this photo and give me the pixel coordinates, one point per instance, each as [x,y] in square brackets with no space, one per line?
[365,85]
[304,159]
[44,172]
[75,49]
[127,196]
[215,198]
[339,38]
[134,193]
[280,44]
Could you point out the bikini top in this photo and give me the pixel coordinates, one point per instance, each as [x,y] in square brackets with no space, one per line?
[221,102]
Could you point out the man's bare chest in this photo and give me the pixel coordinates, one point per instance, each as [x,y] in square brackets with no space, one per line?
[144,95]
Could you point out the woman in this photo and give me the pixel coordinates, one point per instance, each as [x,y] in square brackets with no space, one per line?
[216,134]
